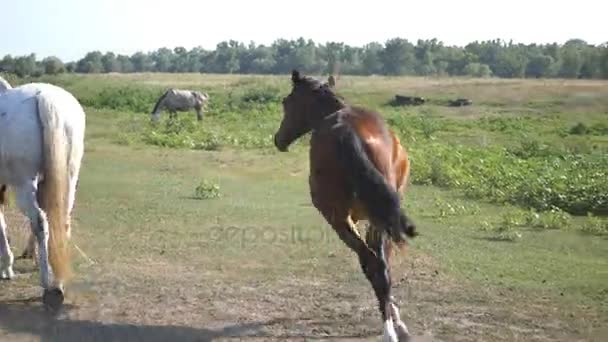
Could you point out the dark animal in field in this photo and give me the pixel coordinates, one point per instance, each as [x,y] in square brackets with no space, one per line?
[401,100]
[460,102]
[358,171]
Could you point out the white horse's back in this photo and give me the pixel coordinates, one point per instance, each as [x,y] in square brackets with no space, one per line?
[20,138]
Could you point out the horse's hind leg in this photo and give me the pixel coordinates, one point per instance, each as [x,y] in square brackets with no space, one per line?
[380,244]
[26,199]
[29,252]
[375,269]
[6,256]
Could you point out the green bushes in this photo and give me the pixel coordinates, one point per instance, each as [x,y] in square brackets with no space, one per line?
[126,98]
[264,94]
[577,184]
[207,190]
[595,129]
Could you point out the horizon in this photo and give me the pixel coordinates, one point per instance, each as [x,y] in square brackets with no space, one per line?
[58,28]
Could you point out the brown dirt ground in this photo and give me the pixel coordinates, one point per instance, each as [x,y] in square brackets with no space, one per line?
[148,300]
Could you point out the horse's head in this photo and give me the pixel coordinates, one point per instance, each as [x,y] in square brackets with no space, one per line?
[307,104]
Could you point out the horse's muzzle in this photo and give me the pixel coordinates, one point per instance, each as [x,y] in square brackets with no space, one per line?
[278,145]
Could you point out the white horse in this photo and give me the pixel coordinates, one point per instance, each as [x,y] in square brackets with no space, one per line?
[4,85]
[177,100]
[41,148]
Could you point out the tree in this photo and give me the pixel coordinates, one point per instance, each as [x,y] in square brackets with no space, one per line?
[70,67]
[256,59]
[539,66]
[227,57]
[510,63]
[372,59]
[162,59]
[7,64]
[574,59]
[571,56]
[110,63]
[125,63]
[91,63]
[398,57]
[477,70]
[25,65]
[334,55]
[604,60]
[141,62]
[53,65]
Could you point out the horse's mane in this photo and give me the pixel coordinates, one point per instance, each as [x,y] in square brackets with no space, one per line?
[160,99]
[319,87]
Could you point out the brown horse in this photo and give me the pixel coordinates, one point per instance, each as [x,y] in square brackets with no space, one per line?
[358,171]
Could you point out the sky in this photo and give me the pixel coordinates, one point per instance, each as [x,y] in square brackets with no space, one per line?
[69,29]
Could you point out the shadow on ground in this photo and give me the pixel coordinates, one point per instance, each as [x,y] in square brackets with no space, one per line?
[29,319]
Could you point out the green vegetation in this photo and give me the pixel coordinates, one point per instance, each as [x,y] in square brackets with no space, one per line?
[574,59]
[524,159]
[207,190]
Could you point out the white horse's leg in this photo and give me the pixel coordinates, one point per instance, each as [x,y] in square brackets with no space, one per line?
[26,199]
[402,332]
[6,256]
[389,334]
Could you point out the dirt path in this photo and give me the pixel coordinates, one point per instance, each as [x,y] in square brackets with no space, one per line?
[153,301]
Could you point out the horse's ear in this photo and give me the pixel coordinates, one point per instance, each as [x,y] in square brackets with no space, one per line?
[331,81]
[295,76]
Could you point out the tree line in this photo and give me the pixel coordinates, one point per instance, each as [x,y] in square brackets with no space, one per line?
[573,59]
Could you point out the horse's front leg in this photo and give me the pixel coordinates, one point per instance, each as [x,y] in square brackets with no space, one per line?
[6,256]
[199,113]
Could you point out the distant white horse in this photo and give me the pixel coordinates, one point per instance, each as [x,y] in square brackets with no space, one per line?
[177,100]
[4,85]
[41,148]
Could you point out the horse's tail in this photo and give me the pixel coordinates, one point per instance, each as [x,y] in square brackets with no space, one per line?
[160,101]
[379,198]
[54,187]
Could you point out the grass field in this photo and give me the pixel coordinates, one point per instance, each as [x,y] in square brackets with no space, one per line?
[202,231]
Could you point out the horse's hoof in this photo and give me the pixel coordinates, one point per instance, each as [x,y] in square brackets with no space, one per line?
[7,274]
[402,333]
[389,334]
[53,298]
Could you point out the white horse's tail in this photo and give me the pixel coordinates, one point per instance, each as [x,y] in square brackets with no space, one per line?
[54,187]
